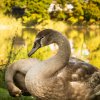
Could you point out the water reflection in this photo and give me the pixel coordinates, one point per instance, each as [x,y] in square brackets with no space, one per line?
[85,44]
[19,41]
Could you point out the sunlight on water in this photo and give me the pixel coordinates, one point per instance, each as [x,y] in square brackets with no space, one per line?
[85,44]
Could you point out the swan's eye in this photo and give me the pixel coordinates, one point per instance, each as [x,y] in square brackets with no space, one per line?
[41,38]
[40,41]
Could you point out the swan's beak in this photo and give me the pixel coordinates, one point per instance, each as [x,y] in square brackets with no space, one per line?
[34,49]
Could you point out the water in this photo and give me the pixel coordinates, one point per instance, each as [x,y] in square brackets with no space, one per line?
[84,41]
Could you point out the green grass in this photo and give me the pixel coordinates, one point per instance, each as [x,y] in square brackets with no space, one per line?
[4,95]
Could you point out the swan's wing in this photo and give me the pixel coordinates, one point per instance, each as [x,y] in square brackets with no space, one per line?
[79,70]
[77,63]
[94,83]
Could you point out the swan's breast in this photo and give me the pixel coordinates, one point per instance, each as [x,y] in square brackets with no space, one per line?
[51,88]
[34,83]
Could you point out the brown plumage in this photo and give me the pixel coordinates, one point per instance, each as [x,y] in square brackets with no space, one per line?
[60,77]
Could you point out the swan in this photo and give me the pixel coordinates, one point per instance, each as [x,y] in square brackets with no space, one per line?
[15,80]
[59,77]
[72,75]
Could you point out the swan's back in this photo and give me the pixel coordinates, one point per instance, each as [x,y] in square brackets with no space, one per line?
[80,69]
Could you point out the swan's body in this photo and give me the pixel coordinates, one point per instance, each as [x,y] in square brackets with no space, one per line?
[15,79]
[15,76]
[58,78]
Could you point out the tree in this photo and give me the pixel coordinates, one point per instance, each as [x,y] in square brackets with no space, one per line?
[92,10]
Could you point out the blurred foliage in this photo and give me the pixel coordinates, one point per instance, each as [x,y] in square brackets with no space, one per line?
[37,10]
[83,11]
[93,46]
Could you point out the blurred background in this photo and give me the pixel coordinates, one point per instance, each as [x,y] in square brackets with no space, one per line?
[21,20]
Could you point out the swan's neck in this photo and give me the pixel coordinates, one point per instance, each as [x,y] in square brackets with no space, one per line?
[57,62]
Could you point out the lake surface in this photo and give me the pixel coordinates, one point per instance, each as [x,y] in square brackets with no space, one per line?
[84,41]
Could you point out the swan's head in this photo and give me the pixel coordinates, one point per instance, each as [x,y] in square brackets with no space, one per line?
[43,38]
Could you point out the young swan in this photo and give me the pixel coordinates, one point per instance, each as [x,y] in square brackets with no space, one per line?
[15,79]
[58,78]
